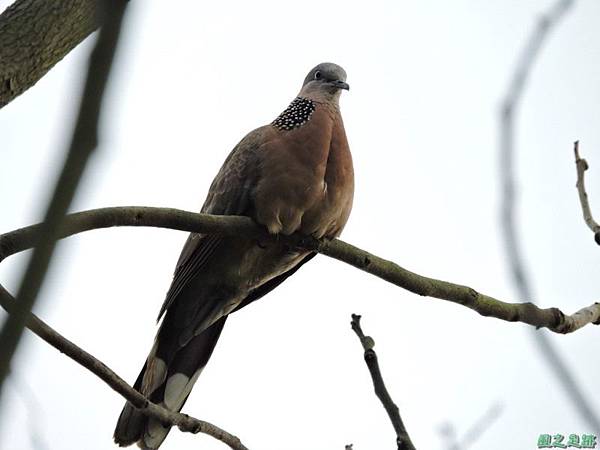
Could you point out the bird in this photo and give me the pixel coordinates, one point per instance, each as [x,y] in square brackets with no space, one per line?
[293,175]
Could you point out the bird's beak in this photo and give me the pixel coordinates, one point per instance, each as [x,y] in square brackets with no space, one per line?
[339,84]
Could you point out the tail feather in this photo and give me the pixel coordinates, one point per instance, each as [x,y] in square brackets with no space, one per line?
[183,370]
[131,421]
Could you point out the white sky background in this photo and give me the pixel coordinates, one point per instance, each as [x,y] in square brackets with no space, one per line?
[427,77]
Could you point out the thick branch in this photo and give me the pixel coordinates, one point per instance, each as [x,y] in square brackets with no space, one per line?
[28,237]
[402,438]
[551,318]
[35,35]
[62,344]
[582,166]
[83,143]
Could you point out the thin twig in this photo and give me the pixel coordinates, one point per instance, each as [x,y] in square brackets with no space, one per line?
[402,438]
[545,25]
[83,143]
[474,433]
[484,423]
[447,431]
[97,367]
[552,318]
[582,165]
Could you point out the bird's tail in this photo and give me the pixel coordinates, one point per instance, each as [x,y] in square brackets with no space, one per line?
[166,381]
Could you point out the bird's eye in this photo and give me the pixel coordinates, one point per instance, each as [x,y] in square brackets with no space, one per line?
[318,75]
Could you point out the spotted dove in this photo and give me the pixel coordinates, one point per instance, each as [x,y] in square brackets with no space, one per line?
[293,175]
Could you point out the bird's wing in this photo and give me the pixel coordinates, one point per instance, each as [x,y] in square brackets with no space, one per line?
[267,287]
[229,194]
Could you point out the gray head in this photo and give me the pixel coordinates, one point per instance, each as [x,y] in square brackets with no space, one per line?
[325,81]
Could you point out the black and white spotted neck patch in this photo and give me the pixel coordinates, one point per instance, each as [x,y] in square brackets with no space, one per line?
[295,115]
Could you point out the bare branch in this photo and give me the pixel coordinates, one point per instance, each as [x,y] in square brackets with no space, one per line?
[582,166]
[545,25]
[82,145]
[141,216]
[552,318]
[402,438]
[97,367]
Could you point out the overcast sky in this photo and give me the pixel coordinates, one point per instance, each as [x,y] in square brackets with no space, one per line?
[191,79]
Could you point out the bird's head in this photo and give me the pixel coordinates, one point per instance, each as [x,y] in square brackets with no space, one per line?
[324,82]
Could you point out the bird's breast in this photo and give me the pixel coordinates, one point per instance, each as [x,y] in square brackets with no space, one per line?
[329,216]
[306,181]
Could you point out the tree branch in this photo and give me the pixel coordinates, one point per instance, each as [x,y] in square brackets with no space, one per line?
[582,165]
[82,145]
[552,318]
[28,237]
[35,35]
[62,344]
[402,438]
[545,25]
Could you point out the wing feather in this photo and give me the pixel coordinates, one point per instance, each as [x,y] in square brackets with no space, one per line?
[230,193]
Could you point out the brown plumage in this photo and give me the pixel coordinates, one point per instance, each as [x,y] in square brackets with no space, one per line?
[293,175]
